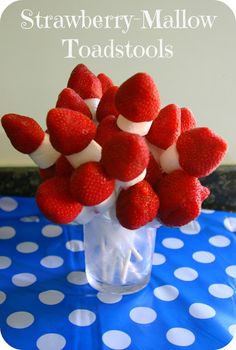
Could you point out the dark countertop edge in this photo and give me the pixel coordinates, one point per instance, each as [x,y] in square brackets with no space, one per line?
[23,182]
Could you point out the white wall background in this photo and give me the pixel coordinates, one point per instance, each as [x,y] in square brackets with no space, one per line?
[201,75]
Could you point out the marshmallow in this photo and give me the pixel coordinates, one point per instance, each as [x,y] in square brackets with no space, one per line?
[92,104]
[169,159]
[156,151]
[140,128]
[86,215]
[91,153]
[106,204]
[126,184]
[45,155]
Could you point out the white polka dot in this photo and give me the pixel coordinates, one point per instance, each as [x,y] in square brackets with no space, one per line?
[186,274]
[232,329]
[51,297]
[203,257]
[23,279]
[75,245]
[172,243]
[180,336]
[8,204]
[7,232]
[109,298]
[5,262]
[20,320]
[143,315]
[51,341]
[219,241]
[166,292]
[201,311]
[82,317]
[221,291]
[52,261]
[116,340]
[208,211]
[192,228]
[52,230]
[77,277]
[2,297]
[231,271]
[27,247]
[30,219]
[158,259]
[230,224]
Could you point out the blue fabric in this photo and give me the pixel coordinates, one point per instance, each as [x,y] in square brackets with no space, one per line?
[189,303]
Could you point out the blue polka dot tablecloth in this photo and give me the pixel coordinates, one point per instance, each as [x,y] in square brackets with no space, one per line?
[47,304]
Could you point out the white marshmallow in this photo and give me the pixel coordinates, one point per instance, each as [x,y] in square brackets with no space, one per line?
[45,155]
[169,159]
[126,184]
[86,215]
[140,128]
[92,104]
[92,152]
[106,204]
[156,151]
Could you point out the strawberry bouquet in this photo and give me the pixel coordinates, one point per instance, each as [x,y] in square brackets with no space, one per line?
[113,160]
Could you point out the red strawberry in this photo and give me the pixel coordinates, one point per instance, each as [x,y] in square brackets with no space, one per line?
[166,127]
[137,99]
[68,98]
[181,196]
[90,185]
[63,167]
[47,173]
[107,104]
[200,151]
[105,81]
[187,119]
[85,83]
[137,205]
[154,172]
[125,156]
[70,131]
[24,133]
[106,130]
[55,201]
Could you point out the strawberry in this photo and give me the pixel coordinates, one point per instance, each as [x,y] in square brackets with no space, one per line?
[125,156]
[68,98]
[25,133]
[105,81]
[70,131]
[187,119]
[137,99]
[107,104]
[106,130]
[200,151]
[154,172]
[137,205]
[55,201]
[63,167]
[47,173]
[90,185]
[85,83]
[181,196]
[166,127]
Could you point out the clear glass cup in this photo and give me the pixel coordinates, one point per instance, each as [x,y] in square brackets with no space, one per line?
[117,260]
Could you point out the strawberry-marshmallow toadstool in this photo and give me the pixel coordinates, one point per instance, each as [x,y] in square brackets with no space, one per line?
[187,119]
[72,134]
[138,103]
[125,157]
[87,85]
[107,104]
[181,196]
[105,81]
[69,99]
[27,136]
[91,186]
[197,151]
